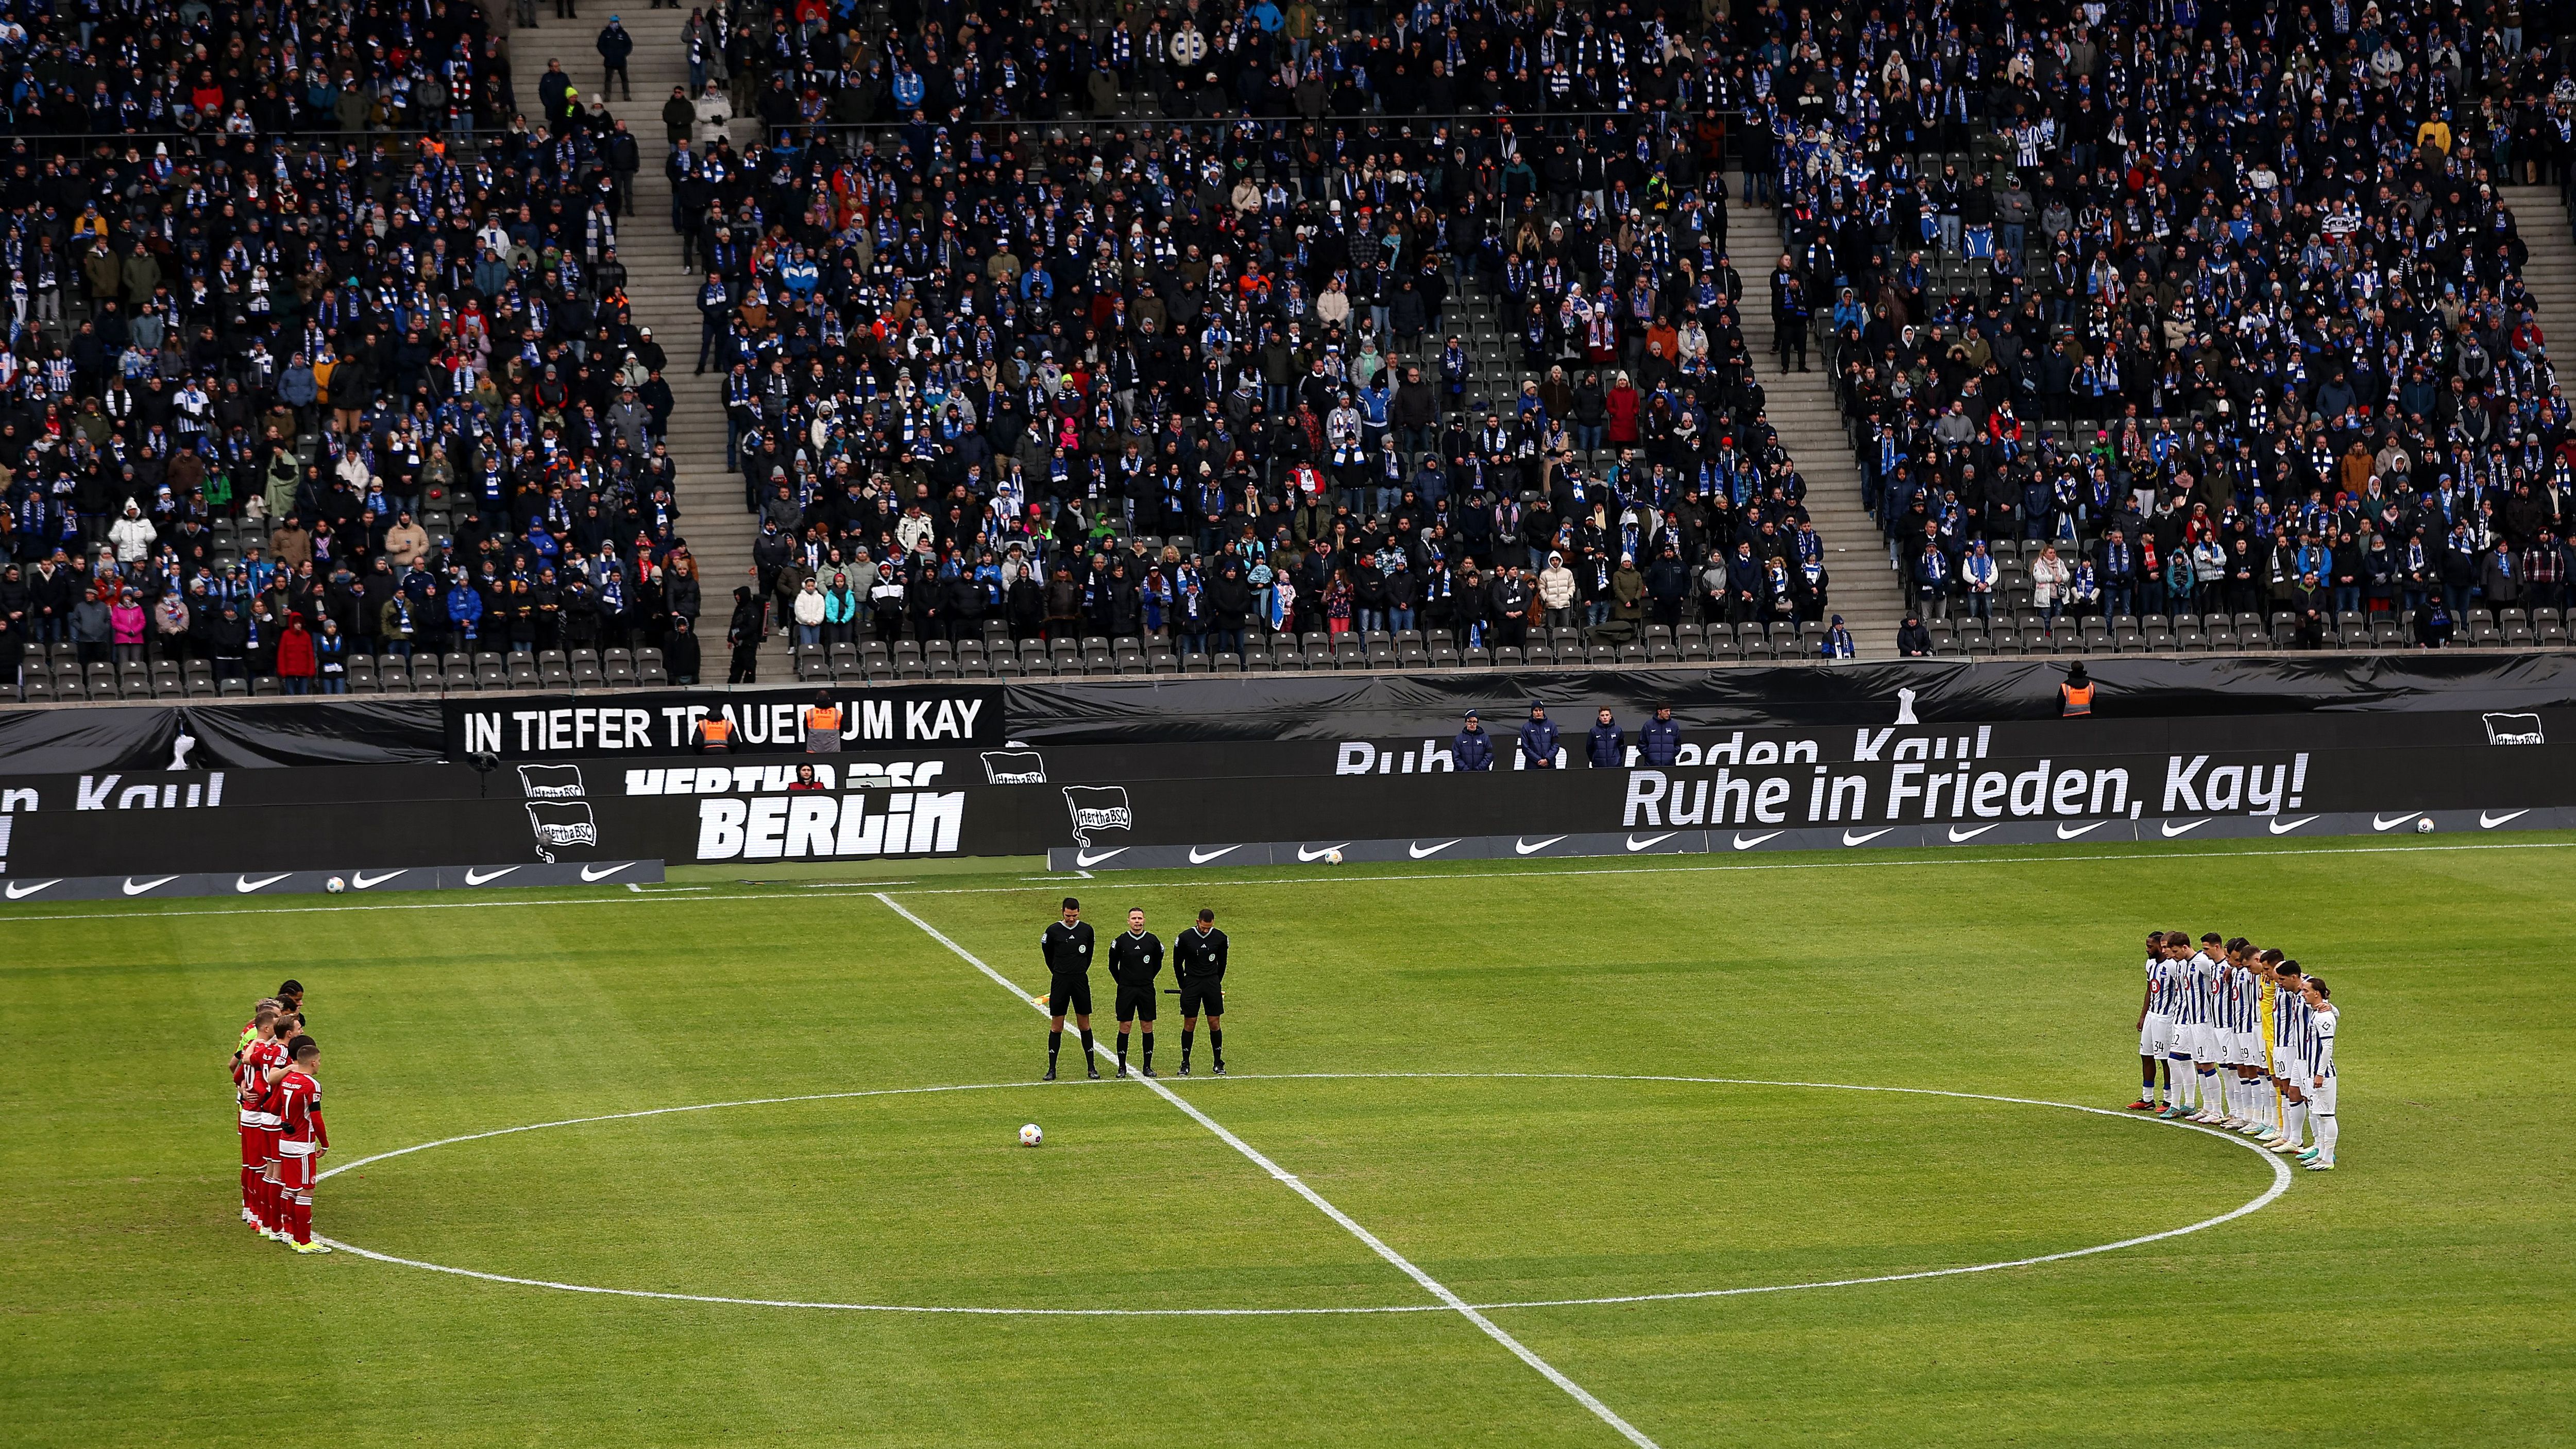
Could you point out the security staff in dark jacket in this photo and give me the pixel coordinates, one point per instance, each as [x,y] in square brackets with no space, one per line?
[1538,739]
[1198,963]
[1660,742]
[1473,749]
[1607,748]
[1135,959]
[1067,947]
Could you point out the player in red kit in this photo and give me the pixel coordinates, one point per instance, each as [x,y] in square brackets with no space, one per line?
[301,1141]
[250,1087]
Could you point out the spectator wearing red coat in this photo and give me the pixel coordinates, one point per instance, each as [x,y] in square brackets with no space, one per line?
[296,666]
[1625,401]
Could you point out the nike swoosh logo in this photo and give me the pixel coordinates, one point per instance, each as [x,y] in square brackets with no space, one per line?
[131,889]
[2284,827]
[1741,843]
[1087,860]
[1635,844]
[1854,837]
[1957,835]
[2171,830]
[2490,822]
[1199,857]
[475,877]
[590,874]
[2390,822]
[360,880]
[2065,834]
[1523,847]
[1309,857]
[1419,852]
[246,885]
[19,892]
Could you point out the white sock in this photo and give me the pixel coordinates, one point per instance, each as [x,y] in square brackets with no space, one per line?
[2327,1131]
[2182,1083]
[2298,1121]
[2208,1091]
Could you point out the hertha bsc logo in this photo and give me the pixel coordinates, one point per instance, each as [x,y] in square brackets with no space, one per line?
[551,782]
[1097,810]
[2514,729]
[560,827]
[1014,767]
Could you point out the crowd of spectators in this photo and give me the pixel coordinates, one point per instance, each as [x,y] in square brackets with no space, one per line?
[1203,322]
[317,347]
[2176,311]
[1412,319]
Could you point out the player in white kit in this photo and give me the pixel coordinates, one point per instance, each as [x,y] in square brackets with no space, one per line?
[2155,1027]
[2208,966]
[2290,1018]
[2323,1018]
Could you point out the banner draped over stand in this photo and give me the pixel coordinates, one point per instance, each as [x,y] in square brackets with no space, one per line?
[1212,709]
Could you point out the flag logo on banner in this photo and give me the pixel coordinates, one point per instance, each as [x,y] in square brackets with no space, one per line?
[1098,809]
[1014,767]
[2514,729]
[551,782]
[561,827]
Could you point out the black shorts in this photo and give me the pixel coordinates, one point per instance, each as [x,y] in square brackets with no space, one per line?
[1199,996]
[1069,992]
[1135,1001]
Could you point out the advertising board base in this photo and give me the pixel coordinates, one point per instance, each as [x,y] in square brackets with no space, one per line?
[2406,824]
[603,873]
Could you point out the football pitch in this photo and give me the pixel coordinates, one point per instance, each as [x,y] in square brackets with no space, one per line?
[1690,1151]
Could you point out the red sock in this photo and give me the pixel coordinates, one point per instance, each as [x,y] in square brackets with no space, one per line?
[250,1191]
[272,1207]
[303,1217]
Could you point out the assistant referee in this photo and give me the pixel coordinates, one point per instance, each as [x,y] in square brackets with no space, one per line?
[1067,944]
[1198,964]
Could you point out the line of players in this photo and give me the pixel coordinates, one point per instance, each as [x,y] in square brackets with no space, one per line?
[282,1133]
[1135,961]
[2246,1038]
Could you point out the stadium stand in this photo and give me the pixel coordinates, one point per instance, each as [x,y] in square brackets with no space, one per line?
[1028,339]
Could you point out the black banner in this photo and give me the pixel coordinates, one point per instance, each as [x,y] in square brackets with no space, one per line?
[1275,709]
[1884,784]
[662,721]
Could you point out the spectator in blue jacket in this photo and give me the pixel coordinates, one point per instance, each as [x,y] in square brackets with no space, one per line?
[1607,748]
[1473,749]
[1660,742]
[1538,739]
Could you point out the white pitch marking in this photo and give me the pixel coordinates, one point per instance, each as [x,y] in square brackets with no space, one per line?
[1402,1264]
[1965,858]
[2280,1184]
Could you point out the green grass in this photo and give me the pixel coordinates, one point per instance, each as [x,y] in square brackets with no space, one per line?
[2420,1295]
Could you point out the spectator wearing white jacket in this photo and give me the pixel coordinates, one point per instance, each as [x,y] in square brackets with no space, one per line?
[132,535]
[2048,576]
[715,112]
[809,613]
[1556,592]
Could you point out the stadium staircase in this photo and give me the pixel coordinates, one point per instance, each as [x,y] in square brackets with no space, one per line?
[664,297]
[2540,214]
[1866,588]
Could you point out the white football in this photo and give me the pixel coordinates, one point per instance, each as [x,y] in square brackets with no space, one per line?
[335,885]
[2424,825]
[1332,857]
[1030,1136]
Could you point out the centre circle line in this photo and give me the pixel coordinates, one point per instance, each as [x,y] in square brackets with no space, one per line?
[2280,1184]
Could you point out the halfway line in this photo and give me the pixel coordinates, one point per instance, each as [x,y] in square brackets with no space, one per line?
[1428,1284]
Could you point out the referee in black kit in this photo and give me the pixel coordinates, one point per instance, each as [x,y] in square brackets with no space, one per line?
[1067,944]
[1135,959]
[1198,963]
